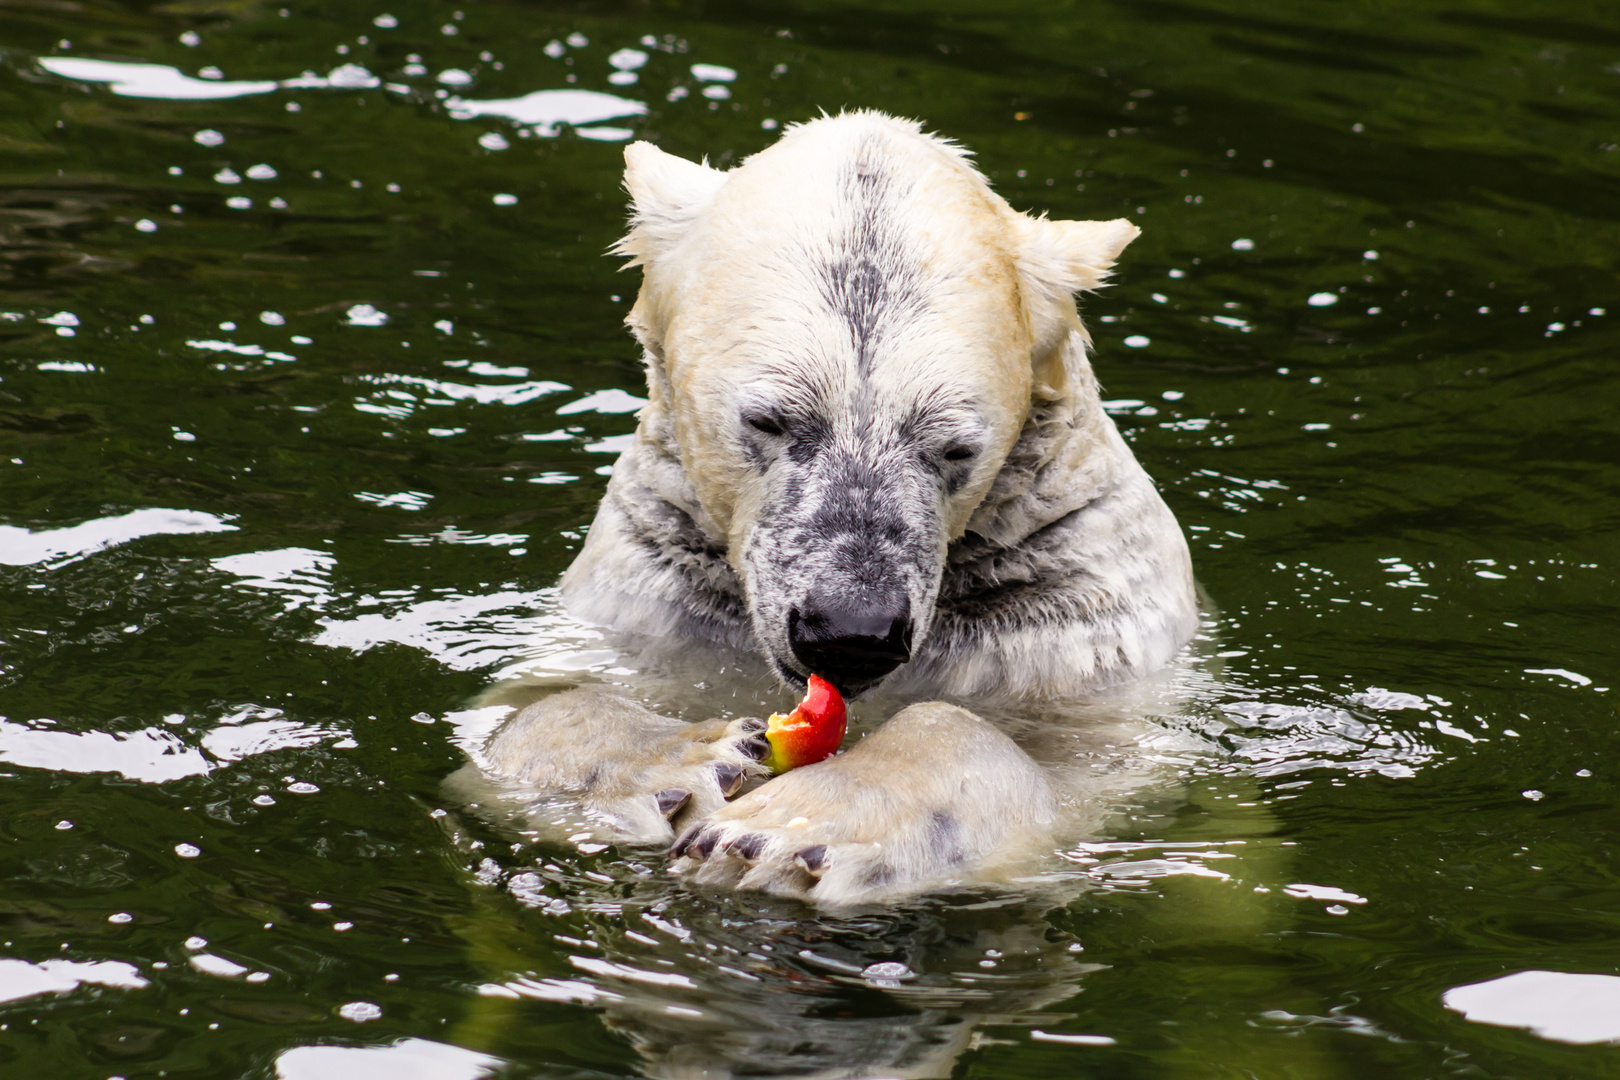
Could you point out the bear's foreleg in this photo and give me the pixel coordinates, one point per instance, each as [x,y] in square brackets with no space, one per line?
[627,765]
[934,797]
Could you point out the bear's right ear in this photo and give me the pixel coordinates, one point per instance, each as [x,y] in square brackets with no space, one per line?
[1057,259]
[667,194]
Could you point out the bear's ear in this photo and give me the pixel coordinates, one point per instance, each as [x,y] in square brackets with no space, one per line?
[667,194]
[1065,257]
[1057,259]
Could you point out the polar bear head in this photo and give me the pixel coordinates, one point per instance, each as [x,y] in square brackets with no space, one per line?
[844,338]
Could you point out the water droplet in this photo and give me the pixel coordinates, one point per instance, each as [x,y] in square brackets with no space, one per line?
[365,315]
[360,1011]
[888,970]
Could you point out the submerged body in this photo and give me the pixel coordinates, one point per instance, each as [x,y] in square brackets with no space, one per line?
[875,452]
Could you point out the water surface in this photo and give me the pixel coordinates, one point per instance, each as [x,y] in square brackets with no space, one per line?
[311,376]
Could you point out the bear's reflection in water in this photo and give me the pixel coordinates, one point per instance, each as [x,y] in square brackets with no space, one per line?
[707,981]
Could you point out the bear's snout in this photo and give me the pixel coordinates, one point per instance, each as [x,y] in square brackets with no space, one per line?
[852,647]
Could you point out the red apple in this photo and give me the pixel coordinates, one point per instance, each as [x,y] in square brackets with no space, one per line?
[811,732]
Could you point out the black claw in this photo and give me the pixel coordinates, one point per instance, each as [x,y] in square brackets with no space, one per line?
[758,747]
[684,841]
[813,860]
[747,847]
[671,800]
[705,844]
[729,777]
[751,724]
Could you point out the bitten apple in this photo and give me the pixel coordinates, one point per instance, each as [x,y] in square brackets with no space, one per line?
[812,731]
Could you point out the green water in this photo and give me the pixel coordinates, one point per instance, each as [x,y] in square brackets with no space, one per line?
[1402,497]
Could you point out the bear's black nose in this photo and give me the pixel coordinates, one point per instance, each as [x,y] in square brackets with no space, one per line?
[851,647]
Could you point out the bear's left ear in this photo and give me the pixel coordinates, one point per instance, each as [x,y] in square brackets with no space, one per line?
[667,194]
[1057,259]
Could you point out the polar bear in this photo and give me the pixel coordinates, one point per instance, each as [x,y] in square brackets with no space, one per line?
[874,450]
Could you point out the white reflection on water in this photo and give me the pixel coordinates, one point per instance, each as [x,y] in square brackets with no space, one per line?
[1558,1005]
[167,83]
[713,73]
[158,755]
[151,755]
[23,547]
[365,315]
[605,401]
[342,77]
[546,110]
[400,403]
[452,535]
[1279,738]
[403,500]
[210,345]
[511,632]
[564,990]
[1304,891]
[150,80]
[298,572]
[233,743]
[408,1059]
[490,371]
[1120,863]
[612,444]
[461,632]
[630,973]
[20,979]
[218,966]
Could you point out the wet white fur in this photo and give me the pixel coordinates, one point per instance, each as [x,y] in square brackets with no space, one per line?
[615,756]
[729,308]
[935,795]
[1046,568]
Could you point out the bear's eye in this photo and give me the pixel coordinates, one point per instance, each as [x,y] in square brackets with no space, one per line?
[959,452]
[765,423]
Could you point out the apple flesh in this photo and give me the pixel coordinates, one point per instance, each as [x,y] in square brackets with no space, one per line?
[811,732]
